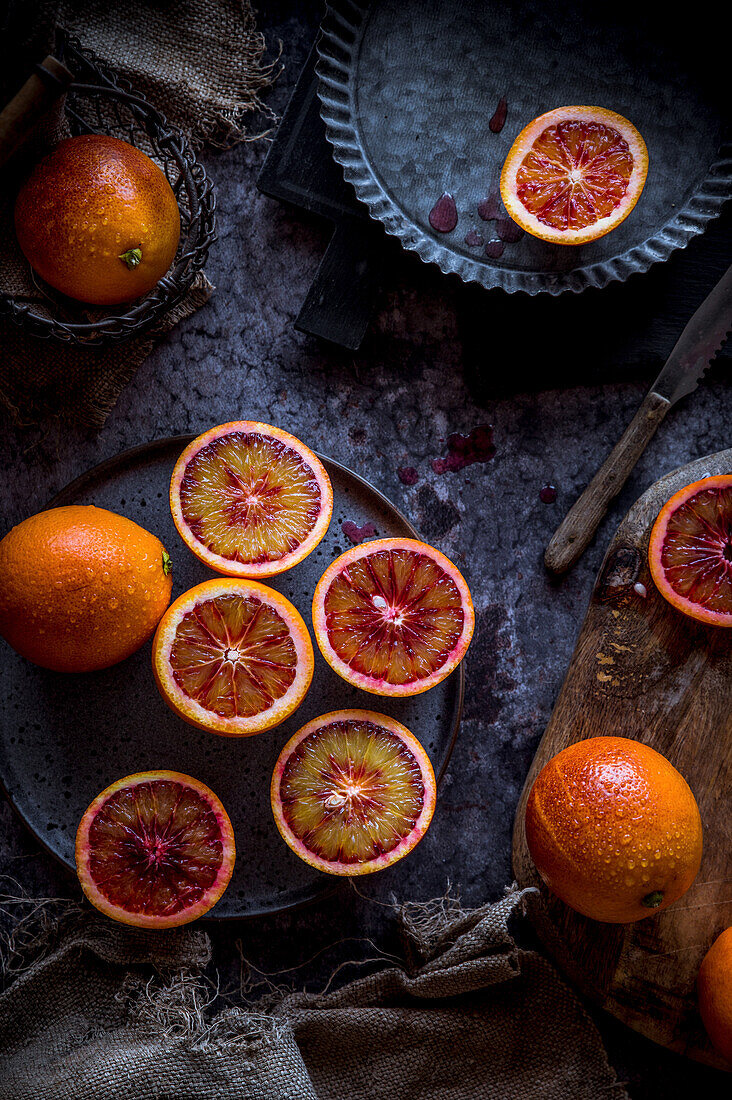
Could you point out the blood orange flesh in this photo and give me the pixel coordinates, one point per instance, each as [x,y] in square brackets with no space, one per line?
[155,850]
[393,617]
[690,550]
[250,500]
[353,792]
[233,657]
[574,173]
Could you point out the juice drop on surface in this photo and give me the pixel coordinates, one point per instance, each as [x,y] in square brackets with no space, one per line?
[357,534]
[408,475]
[464,450]
[508,231]
[443,216]
[489,209]
[498,120]
[494,249]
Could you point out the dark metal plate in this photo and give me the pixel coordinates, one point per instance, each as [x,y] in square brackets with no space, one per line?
[64,737]
[408,88]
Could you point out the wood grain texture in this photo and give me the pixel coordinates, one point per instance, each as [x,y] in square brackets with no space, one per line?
[577,529]
[30,104]
[643,670]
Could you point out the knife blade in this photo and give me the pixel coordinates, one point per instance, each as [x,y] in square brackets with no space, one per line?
[704,336]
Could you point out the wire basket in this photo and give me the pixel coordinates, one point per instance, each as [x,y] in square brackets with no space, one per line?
[98,102]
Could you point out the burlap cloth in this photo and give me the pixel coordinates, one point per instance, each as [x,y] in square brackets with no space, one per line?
[110,1013]
[201,63]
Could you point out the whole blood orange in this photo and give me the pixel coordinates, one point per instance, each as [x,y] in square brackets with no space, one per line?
[155,850]
[613,829]
[81,588]
[393,617]
[573,174]
[98,220]
[233,657]
[690,550]
[714,987]
[250,500]
[352,792]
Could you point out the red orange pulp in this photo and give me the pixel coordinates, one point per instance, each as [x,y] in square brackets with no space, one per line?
[574,173]
[155,850]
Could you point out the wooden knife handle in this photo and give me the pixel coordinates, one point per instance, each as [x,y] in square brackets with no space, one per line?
[40,91]
[578,527]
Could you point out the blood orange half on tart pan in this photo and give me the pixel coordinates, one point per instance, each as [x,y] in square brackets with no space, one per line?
[250,500]
[574,174]
[393,617]
[155,850]
[353,792]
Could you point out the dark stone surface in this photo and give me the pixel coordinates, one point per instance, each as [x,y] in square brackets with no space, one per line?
[432,364]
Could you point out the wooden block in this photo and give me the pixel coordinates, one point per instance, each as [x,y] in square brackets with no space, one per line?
[643,670]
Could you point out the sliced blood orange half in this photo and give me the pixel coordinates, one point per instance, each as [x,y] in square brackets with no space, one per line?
[393,617]
[155,850]
[233,657]
[352,792]
[250,500]
[690,550]
[574,174]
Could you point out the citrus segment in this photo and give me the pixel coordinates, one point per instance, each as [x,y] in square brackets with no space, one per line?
[393,617]
[250,500]
[233,657]
[690,550]
[574,174]
[81,588]
[352,792]
[614,829]
[155,850]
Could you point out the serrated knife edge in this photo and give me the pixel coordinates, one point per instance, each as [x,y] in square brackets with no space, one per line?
[701,341]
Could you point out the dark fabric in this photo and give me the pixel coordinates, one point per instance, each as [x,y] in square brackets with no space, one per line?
[111,1013]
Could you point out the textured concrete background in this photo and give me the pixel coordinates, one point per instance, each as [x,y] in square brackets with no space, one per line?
[422,373]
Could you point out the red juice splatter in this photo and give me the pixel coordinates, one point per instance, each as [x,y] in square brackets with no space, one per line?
[464,450]
[408,475]
[508,231]
[490,207]
[357,534]
[547,494]
[494,249]
[498,121]
[443,215]
[473,239]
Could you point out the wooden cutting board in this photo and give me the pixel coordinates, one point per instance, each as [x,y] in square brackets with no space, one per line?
[643,670]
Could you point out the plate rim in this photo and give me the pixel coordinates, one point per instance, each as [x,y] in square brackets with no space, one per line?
[326,885]
[338,43]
